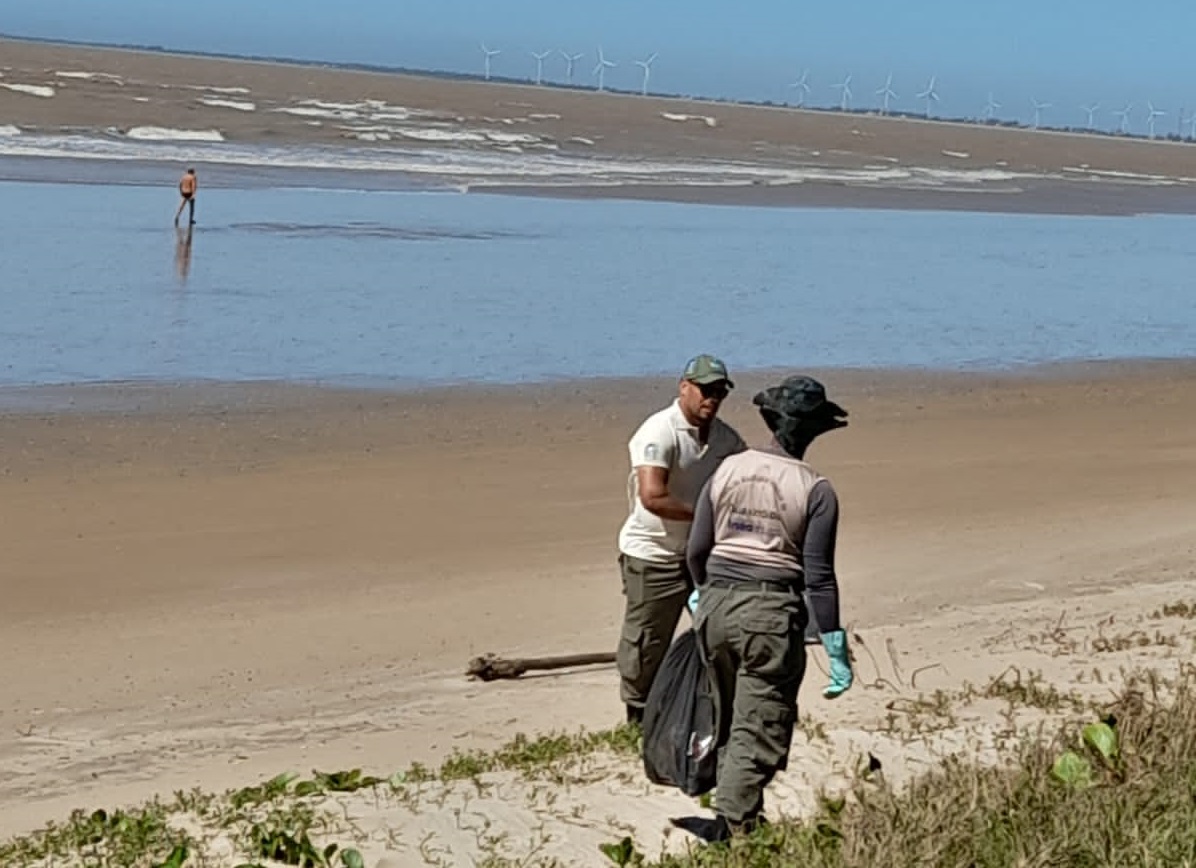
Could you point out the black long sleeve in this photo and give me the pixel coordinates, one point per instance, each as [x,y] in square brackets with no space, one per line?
[818,554]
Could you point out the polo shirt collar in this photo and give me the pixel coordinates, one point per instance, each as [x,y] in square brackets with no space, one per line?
[678,418]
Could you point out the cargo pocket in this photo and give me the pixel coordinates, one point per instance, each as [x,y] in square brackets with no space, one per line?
[766,644]
[776,735]
[629,657]
[632,571]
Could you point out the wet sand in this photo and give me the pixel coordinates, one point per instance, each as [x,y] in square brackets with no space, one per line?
[207,584]
[165,90]
[1030,197]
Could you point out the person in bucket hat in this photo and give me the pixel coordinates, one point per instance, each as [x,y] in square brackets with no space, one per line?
[764,531]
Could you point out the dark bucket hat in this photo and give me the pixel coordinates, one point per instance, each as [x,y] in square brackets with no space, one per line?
[798,397]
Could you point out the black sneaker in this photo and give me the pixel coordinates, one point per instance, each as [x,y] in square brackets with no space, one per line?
[635,714]
[718,830]
[709,830]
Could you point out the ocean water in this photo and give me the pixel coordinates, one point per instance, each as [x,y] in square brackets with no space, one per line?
[355,287]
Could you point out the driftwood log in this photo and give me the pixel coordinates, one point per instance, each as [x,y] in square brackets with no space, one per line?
[490,667]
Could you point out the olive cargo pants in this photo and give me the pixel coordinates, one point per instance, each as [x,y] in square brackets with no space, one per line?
[656,594]
[753,640]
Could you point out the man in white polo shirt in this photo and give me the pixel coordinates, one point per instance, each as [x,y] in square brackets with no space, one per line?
[673,453]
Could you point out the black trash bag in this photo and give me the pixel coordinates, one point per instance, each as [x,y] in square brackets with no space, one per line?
[680,728]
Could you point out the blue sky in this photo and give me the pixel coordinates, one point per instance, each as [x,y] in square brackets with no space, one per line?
[1064,52]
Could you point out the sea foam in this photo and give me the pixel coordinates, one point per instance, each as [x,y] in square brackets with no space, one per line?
[432,157]
[230,103]
[89,76]
[31,89]
[166,134]
[706,119]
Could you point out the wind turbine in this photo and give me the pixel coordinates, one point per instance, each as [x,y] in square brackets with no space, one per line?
[540,64]
[844,87]
[929,95]
[600,69]
[1124,114]
[803,89]
[990,108]
[1038,107]
[489,52]
[570,60]
[886,93]
[1153,113]
[646,65]
[1090,110]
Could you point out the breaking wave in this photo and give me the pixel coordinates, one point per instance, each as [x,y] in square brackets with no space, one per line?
[41,90]
[475,166]
[167,134]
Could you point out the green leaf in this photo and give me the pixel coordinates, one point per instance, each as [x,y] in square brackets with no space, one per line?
[828,831]
[307,788]
[1102,738]
[621,853]
[352,859]
[176,858]
[835,806]
[1073,770]
[345,781]
[281,781]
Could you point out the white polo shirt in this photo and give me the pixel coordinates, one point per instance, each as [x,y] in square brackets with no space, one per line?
[666,439]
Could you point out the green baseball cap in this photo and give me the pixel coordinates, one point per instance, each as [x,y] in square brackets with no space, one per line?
[705,369]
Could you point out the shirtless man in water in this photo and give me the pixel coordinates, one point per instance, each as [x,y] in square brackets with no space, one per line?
[187,187]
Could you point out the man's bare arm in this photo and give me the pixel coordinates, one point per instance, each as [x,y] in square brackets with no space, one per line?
[654,494]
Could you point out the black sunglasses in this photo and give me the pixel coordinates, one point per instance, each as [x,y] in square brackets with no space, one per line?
[713,390]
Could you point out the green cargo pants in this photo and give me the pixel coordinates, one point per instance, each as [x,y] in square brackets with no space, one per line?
[753,640]
[656,594]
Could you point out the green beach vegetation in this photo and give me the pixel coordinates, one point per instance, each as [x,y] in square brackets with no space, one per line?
[1110,783]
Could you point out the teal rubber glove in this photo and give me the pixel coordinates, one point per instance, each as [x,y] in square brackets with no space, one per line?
[692,602]
[835,644]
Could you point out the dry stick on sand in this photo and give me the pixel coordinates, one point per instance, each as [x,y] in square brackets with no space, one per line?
[489,667]
[881,682]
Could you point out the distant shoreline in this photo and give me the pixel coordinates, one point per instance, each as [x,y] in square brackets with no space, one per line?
[154,396]
[1043,198]
[1040,198]
[512,81]
[544,141]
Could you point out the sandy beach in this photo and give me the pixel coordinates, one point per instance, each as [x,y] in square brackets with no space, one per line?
[207,585]
[77,90]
